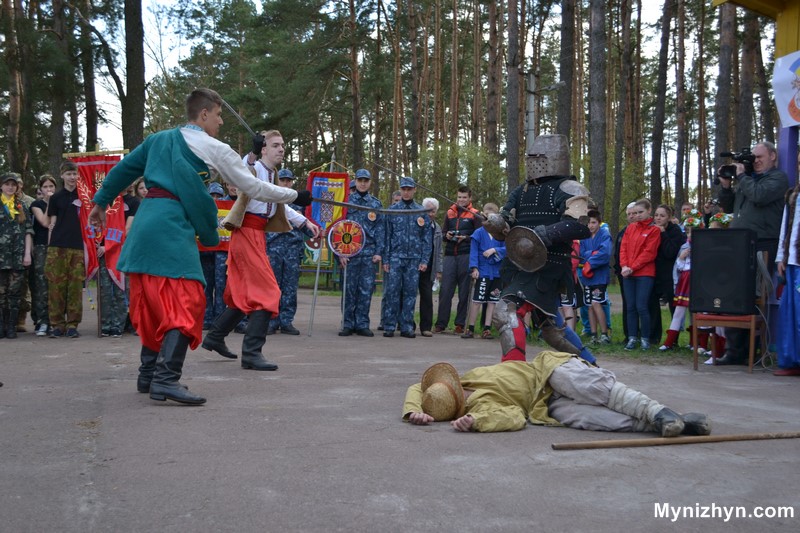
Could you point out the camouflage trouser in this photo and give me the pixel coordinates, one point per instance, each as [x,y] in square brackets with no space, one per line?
[11,282]
[113,305]
[358,293]
[401,294]
[285,264]
[65,272]
[215,271]
[38,283]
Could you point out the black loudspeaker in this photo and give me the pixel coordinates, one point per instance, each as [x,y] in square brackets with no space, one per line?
[723,275]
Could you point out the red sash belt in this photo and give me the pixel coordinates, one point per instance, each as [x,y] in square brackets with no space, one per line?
[253,221]
[158,192]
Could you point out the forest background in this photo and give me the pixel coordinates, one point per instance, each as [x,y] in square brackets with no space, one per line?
[435,89]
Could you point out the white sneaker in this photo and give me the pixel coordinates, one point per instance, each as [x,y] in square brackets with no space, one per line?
[709,361]
[41,331]
[664,348]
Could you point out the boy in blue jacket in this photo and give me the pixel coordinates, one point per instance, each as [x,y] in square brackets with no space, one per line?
[485,255]
[594,273]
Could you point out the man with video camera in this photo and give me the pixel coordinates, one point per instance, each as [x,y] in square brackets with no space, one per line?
[755,196]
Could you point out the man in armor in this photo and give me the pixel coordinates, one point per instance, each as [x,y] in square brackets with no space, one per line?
[539,222]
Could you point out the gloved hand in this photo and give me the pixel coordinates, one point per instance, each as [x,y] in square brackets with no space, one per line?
[258,144]
[587,270]
[303,198]
[541,231]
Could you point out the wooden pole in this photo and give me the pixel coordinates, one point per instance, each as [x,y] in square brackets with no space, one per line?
[663,441]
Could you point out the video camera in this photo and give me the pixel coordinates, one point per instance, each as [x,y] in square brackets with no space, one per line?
[745,157]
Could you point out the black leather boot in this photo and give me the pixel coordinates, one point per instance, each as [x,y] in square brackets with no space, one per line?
[254,339]
[668,423]
[222,326]
[2,323]
[169,364]
[696,424]
[146,369]
[11,324]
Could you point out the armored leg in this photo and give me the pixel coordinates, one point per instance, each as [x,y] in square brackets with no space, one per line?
[554,335]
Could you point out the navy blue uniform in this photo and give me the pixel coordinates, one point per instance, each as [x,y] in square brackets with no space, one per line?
[408,245]
[360,268]
[285,252]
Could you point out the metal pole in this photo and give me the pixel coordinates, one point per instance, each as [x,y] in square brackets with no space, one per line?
[316,287]
[344,293]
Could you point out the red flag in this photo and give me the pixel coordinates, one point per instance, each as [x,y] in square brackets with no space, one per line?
[93,170]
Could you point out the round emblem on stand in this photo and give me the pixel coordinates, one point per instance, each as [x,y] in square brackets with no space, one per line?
[346,238]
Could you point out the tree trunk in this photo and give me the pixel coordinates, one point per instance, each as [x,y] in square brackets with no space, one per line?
[355,86]
[133,101]
[454,81]
[60,91]
[765,107]
[415,85]
[743,126]
[477,56]
[680,102]
[566,68]
[619,127]
[15,95]
[660,110]
[703,156]
[512,96]
[87,68]
[597,103]
[438,98]
[727,33]
[493,75]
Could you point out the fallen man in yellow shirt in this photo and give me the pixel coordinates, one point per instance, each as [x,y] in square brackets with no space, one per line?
[554,389]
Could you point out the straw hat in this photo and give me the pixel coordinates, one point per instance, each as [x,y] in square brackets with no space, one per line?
[442,393]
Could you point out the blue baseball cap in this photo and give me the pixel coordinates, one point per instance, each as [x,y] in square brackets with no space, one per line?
[215,188]
[363,173]
[407,182]
[285,174]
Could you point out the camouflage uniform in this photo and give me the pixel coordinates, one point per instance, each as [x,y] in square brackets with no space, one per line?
[25,305]
[360,268]
[215,271]
[113,304]
[408,245]
[285,253]
[12,254]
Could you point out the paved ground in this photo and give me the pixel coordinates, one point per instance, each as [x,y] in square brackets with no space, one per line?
[319,445]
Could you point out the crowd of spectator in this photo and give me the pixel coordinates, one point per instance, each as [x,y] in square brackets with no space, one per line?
[42,264]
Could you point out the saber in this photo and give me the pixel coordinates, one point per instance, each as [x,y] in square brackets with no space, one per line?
[239,118]
[440,195]
[365,208]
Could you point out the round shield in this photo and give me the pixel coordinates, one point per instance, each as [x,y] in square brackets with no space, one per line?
[346,238]
[525,249]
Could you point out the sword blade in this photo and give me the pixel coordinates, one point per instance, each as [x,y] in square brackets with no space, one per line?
[365,208]
[239,118]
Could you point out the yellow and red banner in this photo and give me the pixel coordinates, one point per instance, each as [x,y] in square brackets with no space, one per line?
[223,208]
[92,170]
[329,186]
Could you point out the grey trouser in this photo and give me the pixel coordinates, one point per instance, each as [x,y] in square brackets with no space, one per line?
[581,394]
